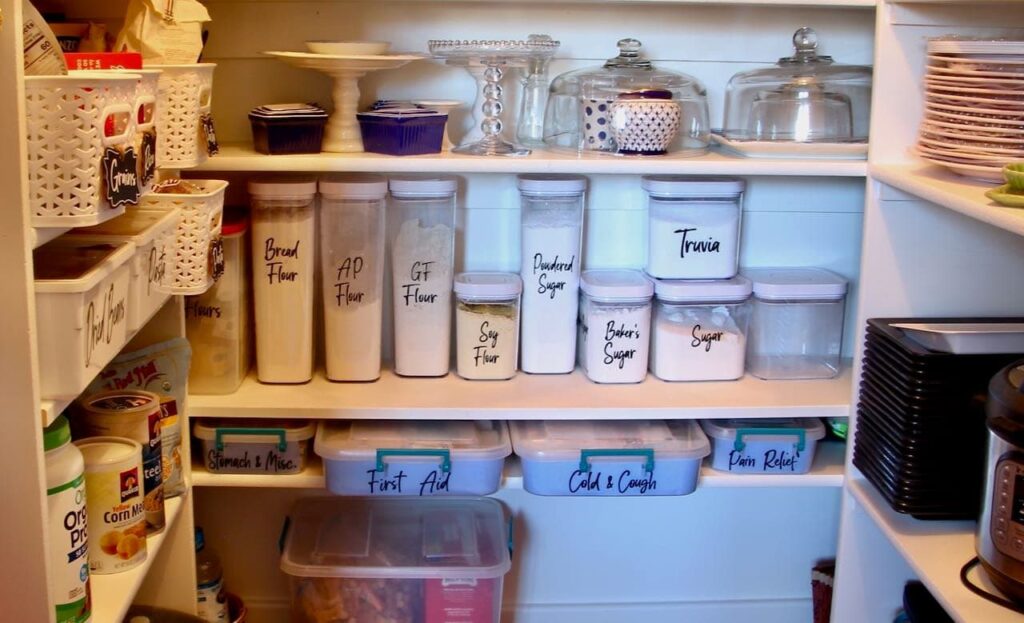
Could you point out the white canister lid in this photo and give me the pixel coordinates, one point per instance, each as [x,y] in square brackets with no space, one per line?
[367,186]
[283,186]
[700,290]
[549,184]
[616,284]
[439,186]
[488,285]
[692,186]
[796,283]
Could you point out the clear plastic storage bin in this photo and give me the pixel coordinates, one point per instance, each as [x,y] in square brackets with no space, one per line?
[615,325]
[254,446]
[694,226]
[796,328]
[218,322]
[283,247]
[413,458]
[487,325]
[700,329]
[352,264]
[408,561]
[772,446]
[421,238]
[656,457]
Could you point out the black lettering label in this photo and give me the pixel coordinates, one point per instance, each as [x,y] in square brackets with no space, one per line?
[147,166]
[120,177]
[688,245]
[208,134]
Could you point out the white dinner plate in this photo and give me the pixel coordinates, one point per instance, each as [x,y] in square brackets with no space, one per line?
[1006,84]
[1017,141]
[788,149]
[1011,103]
[964,338]
[942,69]
[980,121]
[995,113]
[979,126]
[935,87]
[988,174]
[980,149]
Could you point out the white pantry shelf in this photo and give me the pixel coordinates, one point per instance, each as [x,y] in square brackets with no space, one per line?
[951,191]
[530,397]
[935,550]
[243,158]
[112,594]
[827,471]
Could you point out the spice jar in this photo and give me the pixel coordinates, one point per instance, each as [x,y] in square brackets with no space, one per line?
[487,325]
[552,222]
[352,261]
[694,226]
[615,325]
[700,329]
[421,238]
[282,265]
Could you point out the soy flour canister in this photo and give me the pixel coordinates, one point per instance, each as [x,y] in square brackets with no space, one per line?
[68,548]
[113,485]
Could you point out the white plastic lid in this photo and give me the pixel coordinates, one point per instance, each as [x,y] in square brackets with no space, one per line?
[396,538]
[354,186]
[283,186]
[771,428]
[616,284]
[556,440]
[488,285]
[796,283]
[100,453]
[252,430]
[700,290]
[138,225]
[692,186]
[548,184]
[440,186]
[477,440]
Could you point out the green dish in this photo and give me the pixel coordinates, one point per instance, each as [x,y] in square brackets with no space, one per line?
[1006,196]
[1014,174]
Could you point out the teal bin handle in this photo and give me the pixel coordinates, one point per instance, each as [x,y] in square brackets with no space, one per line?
[280,433]
[445,456]
[739,444]
[587,454]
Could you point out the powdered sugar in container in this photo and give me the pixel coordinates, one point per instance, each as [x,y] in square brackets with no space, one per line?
[694,226]
[615,325]
[700,329]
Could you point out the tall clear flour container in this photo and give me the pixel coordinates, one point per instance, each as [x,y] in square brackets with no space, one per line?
[421,237]
[217,322]
[282,265]
[352,277]
[552,224]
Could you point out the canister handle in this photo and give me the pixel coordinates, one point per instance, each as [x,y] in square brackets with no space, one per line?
[588,453]
[739,444]
[444,454]
[278,434]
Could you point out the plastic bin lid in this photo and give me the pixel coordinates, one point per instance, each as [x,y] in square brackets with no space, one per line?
[478,440]
[245,430]
[69,265]
[616,284]
[703,290]
[283,186]
[235,221]
[330,537]
[796,283]
[137,225]
[692,186]
[726,429]
[366,186]
[549,184]
[438,186]
[488,285]
[555,440]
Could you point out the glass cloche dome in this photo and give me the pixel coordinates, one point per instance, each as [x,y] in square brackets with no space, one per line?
[627,106]
[803,98]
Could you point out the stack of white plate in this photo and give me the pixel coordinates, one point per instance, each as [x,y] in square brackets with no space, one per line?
[974,106]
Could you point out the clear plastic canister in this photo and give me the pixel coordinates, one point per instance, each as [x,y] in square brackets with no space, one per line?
[694,226]
[615,325]
[421,241]
[487,325]
[282,264]
[352,264]
[552,225]
[217,322]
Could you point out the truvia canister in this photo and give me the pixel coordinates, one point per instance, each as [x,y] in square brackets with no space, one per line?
[132,414]
[113,483]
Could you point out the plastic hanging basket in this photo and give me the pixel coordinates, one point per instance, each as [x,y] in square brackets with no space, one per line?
[68,119]
[197,247]
[185,95]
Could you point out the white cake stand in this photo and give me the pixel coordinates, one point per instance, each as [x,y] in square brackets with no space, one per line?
[342,132]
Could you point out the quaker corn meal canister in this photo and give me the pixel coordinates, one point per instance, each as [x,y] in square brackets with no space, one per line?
[113,487]
[132,414]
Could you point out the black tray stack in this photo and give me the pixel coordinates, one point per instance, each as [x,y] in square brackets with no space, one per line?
[921,434]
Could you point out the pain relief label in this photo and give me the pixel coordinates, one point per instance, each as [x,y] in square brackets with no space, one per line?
[453,600]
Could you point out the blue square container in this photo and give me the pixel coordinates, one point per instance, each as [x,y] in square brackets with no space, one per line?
[402,132]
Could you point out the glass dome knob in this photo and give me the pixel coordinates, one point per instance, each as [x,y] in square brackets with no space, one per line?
[805,40]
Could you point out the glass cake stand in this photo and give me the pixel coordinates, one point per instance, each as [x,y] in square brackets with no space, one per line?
[496,56]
